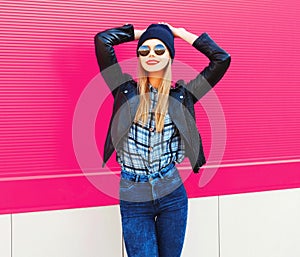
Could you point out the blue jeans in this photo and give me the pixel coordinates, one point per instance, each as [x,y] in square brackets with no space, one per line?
[154,213]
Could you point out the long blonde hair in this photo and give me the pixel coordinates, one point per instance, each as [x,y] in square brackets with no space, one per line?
[163,96]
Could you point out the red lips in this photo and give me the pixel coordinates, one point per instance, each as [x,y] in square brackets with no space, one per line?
[152,62]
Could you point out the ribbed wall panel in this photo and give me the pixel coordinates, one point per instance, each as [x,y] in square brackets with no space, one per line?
[47,59]
[33,104]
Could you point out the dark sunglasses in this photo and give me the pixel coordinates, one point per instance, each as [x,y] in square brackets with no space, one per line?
[145,50]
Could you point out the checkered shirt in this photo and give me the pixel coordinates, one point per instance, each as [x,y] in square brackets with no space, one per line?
[144,150]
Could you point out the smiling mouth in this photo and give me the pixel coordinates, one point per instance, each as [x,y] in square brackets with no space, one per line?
[152,62]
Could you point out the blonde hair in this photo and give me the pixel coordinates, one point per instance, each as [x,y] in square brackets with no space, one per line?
[163,96]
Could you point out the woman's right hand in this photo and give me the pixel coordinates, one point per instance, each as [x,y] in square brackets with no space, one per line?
[138,33]
[177,32]
[182,33]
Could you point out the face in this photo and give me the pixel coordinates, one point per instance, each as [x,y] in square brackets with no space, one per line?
[157,58]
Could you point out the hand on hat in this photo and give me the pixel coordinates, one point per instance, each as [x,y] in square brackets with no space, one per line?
[138,33]
[177,32]
[182,33]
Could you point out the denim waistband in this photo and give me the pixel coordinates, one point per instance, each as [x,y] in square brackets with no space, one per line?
[145,178]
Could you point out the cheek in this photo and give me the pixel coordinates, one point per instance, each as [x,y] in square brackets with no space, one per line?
[143,61]
[144,64]
[164,62]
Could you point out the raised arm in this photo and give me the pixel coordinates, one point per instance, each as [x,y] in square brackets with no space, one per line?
[106,57]
[218,65]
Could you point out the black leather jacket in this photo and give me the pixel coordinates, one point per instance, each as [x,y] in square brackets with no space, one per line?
[182,97]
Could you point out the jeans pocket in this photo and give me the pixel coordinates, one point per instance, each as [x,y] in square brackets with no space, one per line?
[126,184]
[134,191]
[172,176]
[125,189]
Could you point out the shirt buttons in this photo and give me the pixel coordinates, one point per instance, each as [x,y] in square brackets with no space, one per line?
[181,96]
[125,91]
[150,149]
[151,129]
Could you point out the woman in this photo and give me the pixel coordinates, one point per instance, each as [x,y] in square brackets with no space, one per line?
[152,128]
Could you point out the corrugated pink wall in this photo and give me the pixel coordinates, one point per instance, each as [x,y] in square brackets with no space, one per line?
[48,64]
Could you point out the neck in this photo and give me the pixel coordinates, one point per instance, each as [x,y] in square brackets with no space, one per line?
[155,78]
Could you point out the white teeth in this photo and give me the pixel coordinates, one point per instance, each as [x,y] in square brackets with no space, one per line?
[152,61]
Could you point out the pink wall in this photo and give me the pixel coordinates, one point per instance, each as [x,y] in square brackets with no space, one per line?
[51,87]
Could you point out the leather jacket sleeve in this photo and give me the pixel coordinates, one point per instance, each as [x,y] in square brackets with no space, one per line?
[210,75]
[106,57]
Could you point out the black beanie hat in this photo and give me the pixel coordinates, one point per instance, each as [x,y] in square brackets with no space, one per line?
[161,32]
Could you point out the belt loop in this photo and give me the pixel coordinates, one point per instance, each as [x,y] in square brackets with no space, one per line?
[137,178]
[150,177]
[161,176]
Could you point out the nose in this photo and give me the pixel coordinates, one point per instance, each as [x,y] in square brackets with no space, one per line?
[151,52]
